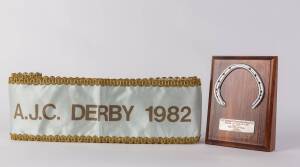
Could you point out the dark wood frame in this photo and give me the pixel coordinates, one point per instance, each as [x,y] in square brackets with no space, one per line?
[270,128]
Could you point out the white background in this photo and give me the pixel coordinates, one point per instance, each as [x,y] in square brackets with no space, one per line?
[139,38]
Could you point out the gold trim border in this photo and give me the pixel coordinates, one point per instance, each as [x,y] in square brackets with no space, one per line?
[39,79]
[106,139]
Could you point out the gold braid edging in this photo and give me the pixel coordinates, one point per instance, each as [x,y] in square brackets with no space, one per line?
[106,139]
[39,79]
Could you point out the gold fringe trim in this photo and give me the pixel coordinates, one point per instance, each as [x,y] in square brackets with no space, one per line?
[39,79]
[106,139]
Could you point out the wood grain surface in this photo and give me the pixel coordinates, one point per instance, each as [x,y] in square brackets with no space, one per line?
[239,90]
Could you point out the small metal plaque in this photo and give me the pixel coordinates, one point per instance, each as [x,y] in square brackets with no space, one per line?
[234,125]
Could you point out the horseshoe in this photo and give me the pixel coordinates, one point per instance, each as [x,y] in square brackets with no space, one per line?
[227,71]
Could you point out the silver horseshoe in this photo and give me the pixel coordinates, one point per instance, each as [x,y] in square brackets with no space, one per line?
[227,71]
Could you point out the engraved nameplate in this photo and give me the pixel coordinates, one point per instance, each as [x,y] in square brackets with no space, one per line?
[234,125]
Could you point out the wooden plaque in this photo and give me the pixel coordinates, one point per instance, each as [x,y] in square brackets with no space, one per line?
[242,102]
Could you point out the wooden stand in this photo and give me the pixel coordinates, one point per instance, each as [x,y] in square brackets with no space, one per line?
[237,123]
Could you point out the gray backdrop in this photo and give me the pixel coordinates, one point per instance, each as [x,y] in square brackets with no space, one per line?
[140,38]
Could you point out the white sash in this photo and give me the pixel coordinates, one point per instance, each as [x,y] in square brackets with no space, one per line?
[122,114]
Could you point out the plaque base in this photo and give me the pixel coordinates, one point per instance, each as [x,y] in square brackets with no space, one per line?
[242,102]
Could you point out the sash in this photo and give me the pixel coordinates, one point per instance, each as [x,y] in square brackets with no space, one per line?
[67,109]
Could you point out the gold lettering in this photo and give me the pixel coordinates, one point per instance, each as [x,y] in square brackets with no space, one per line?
[104,113]
[127,112]
[74,106]
[18,112]
[90,112]
[101,112]
[45,114]
[36,113]
[115,110]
